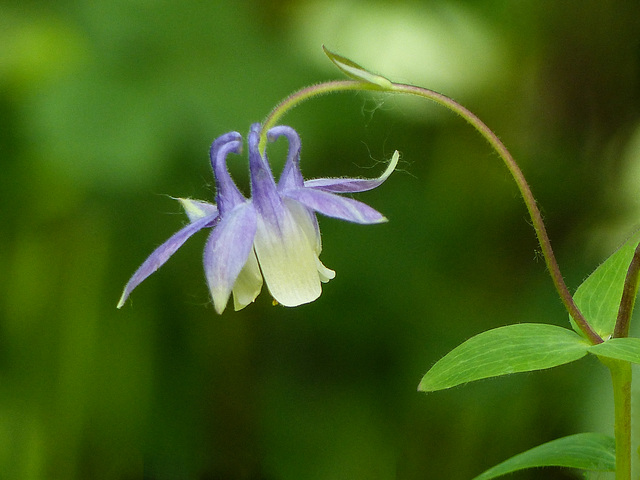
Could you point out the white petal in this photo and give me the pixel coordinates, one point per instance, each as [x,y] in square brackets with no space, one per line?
[325,273]
[248,284]
[307,221]
[287,260]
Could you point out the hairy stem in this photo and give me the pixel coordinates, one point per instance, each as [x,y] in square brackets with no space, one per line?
[628,299]
[536,217]
[300,96]
[621,379]
[529,200]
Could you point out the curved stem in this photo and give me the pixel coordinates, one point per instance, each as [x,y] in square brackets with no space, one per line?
[629,293]
[300,96]
[529,200]
[536,217]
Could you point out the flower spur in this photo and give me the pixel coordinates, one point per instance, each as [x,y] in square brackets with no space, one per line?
[273,235]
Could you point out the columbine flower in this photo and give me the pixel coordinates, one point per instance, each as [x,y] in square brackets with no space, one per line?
[274,234]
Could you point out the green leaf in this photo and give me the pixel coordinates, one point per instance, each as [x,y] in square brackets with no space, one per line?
[627,349]
[515,348]
[599,295]
[586,451]
[355,71]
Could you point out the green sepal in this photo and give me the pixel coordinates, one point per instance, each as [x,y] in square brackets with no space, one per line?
[586,451]
[598,297]
[523,347]
[355,71]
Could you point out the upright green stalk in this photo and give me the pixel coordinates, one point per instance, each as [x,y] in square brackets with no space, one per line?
[621,379]
[621,372]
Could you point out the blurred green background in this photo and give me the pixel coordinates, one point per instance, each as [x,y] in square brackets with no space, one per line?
[109,107]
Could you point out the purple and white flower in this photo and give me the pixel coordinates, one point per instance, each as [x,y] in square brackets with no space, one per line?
[274,235]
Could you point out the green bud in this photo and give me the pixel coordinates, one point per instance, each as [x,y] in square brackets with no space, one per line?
[355,71]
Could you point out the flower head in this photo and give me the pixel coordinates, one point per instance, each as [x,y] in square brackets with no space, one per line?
[274,235]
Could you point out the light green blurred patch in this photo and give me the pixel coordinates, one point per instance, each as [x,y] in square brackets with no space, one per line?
[129,85]
[630,175]
[97,130]
[444,47]
[37,48]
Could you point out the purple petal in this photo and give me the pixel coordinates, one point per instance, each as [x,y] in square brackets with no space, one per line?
[351,185]
[335,206]
[291,175]
[219,142]
[227,193]
[162,254]
[227,250]
[265,196]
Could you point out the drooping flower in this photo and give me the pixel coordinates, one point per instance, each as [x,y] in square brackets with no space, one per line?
[273,235]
